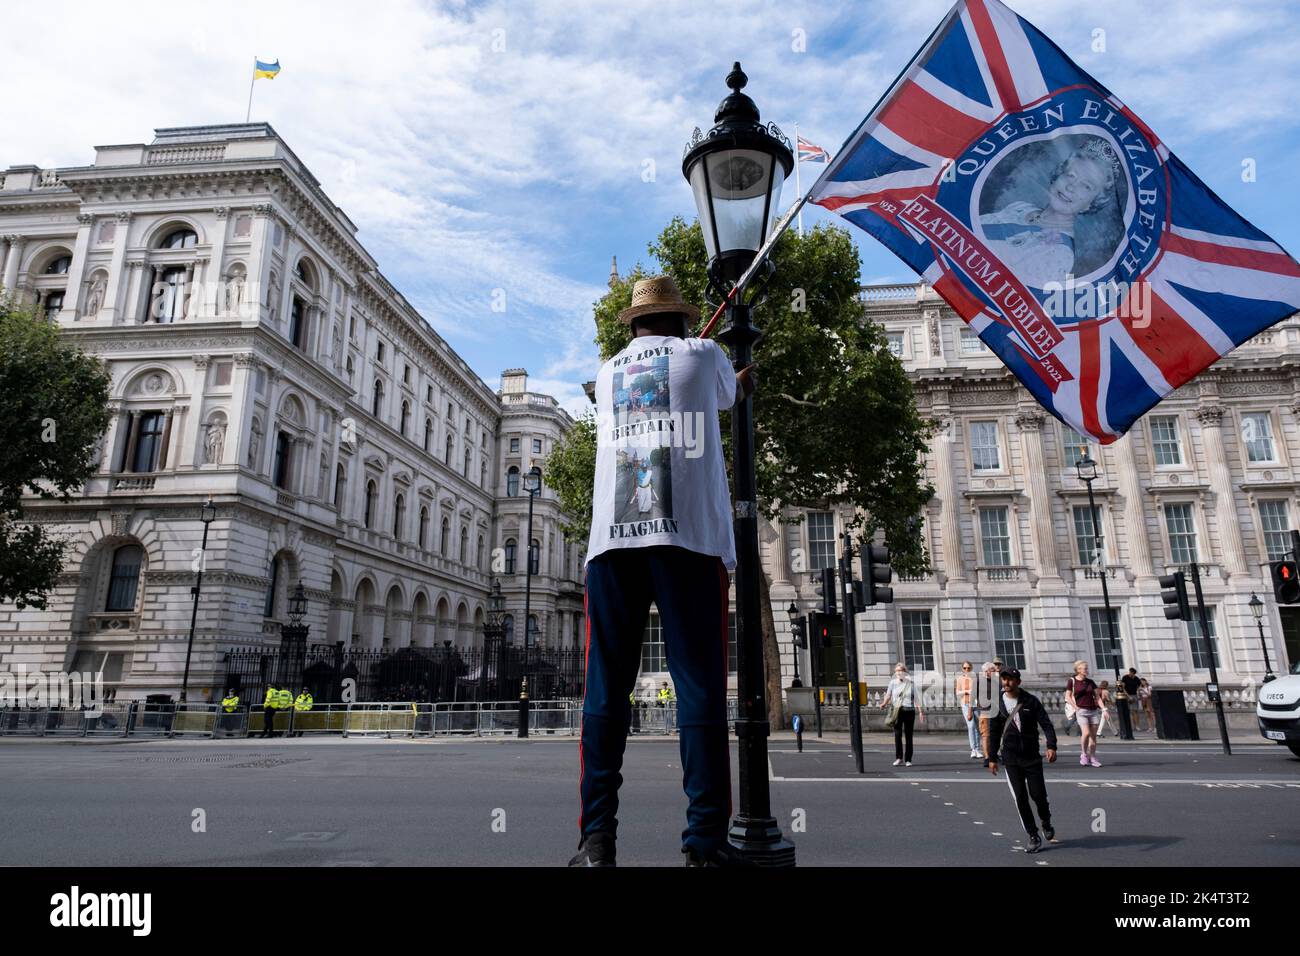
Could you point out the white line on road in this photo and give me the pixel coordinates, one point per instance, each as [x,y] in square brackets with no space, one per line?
[1198,782]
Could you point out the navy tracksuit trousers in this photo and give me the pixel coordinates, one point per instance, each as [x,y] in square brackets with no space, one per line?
[690,591]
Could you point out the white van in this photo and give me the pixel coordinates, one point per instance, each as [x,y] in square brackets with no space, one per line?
[1279,710]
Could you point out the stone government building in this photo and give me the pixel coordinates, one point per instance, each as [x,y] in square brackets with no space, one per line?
[258,355]
[1209,475]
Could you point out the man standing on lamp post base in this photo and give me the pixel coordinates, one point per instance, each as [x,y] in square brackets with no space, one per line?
[661,532]
[1013,736]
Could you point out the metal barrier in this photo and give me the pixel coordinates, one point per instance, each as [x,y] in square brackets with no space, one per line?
[365,719]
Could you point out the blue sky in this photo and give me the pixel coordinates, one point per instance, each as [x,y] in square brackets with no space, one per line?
[516,146]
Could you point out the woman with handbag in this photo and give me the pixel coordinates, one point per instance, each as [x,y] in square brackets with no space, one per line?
[906,698]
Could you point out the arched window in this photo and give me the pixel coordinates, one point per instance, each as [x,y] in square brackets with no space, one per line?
[399,512]
[283,460]
[482,475]
[298,323]
[371,493]
[169,295]
[428,432]
[340,482]
[406,414]
[446,537]
[478,556]
[424,527]
[124,579]
[464,544]
[180,239]
[303,272]
[378,403]
[509,622]
[450,441]
[467,459]
[534,556]
[59,266]
[512,482]
[351,369]
[511,548]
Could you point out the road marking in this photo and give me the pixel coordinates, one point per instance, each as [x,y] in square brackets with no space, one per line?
[1120,784]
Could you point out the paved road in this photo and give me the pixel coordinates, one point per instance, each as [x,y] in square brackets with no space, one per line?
[507,802]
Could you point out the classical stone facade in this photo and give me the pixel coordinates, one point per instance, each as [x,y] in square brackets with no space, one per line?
[259,356]
[1209,475]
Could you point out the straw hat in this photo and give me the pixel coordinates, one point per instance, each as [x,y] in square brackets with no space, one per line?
[657,294]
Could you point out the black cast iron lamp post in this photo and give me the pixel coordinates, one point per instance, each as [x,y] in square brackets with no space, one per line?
[1257,611]
[492,627]
[736,172]
[1087,469]
[207,514]
[796,639]
[297,605]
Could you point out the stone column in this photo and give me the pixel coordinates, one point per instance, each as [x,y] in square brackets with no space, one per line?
[113,293]
[781,551]
[1225,505]
[1030,423]
[1135,523]
[76,272]
[215,274]
[16,245]
[259,266]
[241,410]
[949,508]
[190,456]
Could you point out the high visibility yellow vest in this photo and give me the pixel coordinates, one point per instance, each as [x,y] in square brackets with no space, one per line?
[284,699]
[665,695]
[303,702]
[272,698]
[230,703]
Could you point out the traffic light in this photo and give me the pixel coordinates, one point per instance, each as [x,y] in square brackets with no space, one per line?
[876,574]
[1174,593]
[1286,581]
[827,589]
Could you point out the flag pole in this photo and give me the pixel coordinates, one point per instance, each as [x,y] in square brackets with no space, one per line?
[249,113]
[798,187]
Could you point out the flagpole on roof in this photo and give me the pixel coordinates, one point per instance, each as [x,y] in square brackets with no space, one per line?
[798,188]
[251,81]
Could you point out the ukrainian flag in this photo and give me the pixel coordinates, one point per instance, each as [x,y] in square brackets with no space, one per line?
[267,70]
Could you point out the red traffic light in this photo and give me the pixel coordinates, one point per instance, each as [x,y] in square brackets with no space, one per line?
[1286,582]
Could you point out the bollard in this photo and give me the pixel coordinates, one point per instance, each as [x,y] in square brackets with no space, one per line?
[798,732]
[523,709]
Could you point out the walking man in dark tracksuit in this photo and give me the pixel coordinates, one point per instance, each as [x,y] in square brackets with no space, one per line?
[1013,736]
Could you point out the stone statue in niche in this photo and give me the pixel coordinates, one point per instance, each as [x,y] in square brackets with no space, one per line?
[254,446]
[324,473]
[95,298]
[234,292]
[214,443]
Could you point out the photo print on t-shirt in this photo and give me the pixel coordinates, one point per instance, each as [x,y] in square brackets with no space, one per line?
[644,485]
[641,388]
[643,478]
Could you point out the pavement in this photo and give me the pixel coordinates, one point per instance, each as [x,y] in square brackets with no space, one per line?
[509,802]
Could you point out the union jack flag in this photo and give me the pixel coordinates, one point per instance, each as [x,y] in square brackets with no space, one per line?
[811,153]
[1097,266]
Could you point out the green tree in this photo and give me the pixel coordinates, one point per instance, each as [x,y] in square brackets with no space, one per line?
[835,417]
[55,400]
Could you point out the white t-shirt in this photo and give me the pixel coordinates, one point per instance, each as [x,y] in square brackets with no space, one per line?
[660,478]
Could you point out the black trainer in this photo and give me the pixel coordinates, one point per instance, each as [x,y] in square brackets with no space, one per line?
[1035,844]
[723,855]
[1049,833]
[596,849]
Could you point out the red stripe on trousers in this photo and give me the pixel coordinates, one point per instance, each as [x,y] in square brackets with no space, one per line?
[725,581]
[586,657]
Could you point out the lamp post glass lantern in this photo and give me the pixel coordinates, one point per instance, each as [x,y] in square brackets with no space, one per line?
[735,172]
[1257,612]
[207,514]
[1087,469]
[797,625]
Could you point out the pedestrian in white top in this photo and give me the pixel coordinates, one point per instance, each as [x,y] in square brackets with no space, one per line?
[906,698]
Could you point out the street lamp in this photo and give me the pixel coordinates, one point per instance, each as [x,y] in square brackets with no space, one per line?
[532,485]
[492,628]
[207,514]
[293,639]
[1257,611]
[1087,469]
[733,172]
[797,624]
